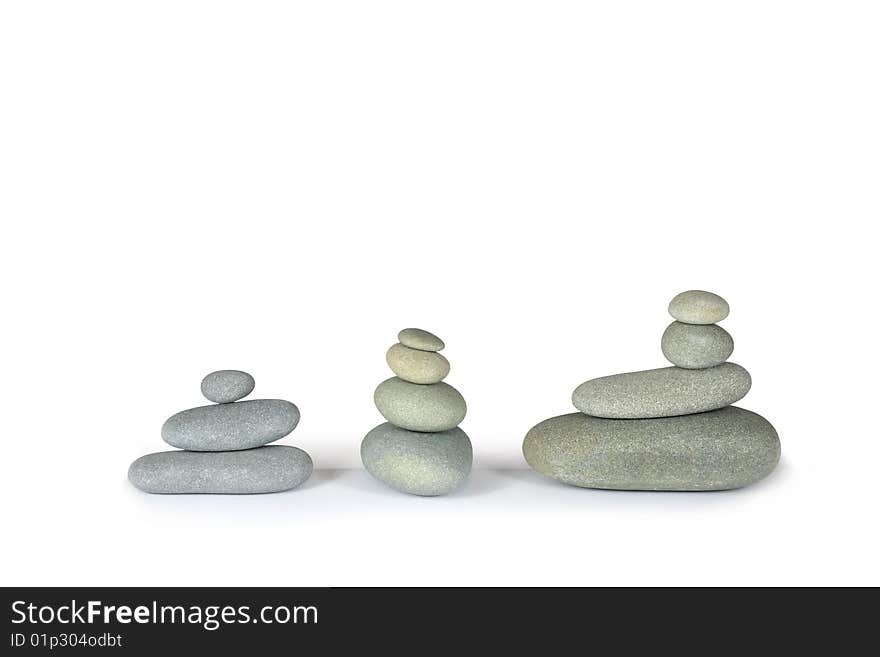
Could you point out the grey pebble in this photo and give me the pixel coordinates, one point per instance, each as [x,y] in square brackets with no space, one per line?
[222,427]
[695,346]
[663,392]
[416,366]
[718,450]
[418,463]
[431,408]
[262,470]
[225,386]
[698,307]
[418,339]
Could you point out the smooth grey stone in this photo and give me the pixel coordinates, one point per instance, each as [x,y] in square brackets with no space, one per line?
[418,339]
[698,307]
[418,463]
[417,366]
[695,346]
[222,427]
[262,470]
[225,386]
[662,393]
[718,450]
[435,407]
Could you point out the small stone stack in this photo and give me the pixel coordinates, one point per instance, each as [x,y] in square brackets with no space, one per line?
[420,450]
[666,429]
[223,444]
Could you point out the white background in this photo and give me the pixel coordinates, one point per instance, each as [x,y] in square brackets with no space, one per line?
[280,187]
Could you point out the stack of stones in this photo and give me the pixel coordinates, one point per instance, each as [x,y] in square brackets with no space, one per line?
[224,444]
[420,450]
[665,429]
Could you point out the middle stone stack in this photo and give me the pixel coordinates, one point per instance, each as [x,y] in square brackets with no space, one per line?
[420,450]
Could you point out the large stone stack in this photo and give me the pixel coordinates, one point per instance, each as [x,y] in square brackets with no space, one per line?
[224,446]
[665,429]
[420,450]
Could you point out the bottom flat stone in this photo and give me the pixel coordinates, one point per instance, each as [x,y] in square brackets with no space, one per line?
[718,450]
[270,469]
[418,463]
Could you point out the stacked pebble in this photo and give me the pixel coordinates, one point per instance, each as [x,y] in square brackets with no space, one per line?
[420,450]
[665,429]
[223,444]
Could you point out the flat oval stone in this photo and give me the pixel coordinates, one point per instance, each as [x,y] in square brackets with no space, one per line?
[418,463]
[418,339]
[718,450]
[223,427]
[417,366]
[662,393]
[225,386]
[431,408]
[262,470]
[695,346]
[698,307]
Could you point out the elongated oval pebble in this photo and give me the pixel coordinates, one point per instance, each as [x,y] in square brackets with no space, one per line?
[718,450]
[223,427]
[263,470]
[662,392]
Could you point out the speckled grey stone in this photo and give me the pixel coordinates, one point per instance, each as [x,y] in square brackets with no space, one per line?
[262,470]
[718,450]
[662,393]
[418,463]
[695,346]
[417,366]
[223,427]
[225,386]
[418,339]
[698,307]
[435,407]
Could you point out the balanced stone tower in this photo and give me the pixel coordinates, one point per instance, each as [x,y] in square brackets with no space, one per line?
[420,450]
[665,429]
[223,444]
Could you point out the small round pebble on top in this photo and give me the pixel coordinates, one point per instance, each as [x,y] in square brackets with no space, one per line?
[698,307]
[418,339]
[226,386]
